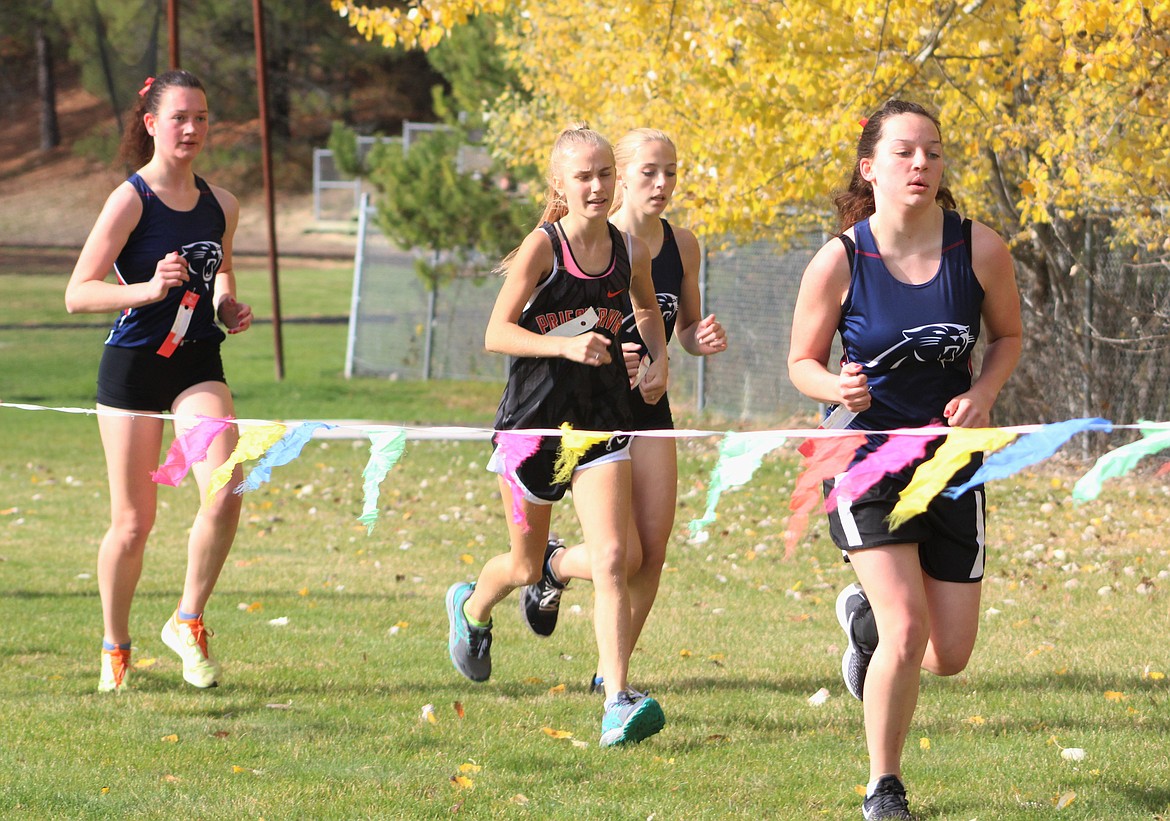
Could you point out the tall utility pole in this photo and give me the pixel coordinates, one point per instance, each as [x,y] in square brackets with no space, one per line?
[269,196]
[173,32]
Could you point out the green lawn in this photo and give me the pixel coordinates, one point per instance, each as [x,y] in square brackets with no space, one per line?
[321,717]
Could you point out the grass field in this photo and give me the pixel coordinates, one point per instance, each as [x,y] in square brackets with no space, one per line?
[334,641]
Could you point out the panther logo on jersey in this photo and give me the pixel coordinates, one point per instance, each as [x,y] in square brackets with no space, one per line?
[203,260]
[668,305]
[940,342]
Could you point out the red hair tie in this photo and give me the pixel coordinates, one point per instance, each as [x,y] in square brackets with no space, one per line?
[146,87]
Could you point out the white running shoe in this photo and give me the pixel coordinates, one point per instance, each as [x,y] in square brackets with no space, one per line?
[189,640]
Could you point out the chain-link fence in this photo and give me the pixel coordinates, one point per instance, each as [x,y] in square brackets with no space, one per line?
[750,288]
[1112,359]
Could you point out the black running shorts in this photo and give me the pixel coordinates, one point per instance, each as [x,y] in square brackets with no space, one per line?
[949,534]
[139,379]
[535,473]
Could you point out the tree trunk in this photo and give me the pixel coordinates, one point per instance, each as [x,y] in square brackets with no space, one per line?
[47,88]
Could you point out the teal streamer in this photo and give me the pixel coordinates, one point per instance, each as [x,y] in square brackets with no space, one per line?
[740,454]
[385,450]
[1120,462]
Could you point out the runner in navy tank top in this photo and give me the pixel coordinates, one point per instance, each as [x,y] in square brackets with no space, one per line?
[907,286]
[647,173]
[558,314]
[167,235]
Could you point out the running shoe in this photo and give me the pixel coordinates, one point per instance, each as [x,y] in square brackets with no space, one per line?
[630,718]
[540,603]
[887,801]
[856,618]
[115,667]
[470,647]
[188,638]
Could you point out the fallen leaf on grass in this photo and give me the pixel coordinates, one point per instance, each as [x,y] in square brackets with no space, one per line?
[560,688]
[859,789]
[304,591]
[1153,675]
[236,768]
[1114,695]
[462,782]
[533,680]
[428,714]
[975,721]
[519,798]
[1065,799]
[466,558]
[819,697]
[684,653]
[220,734]
[551,733]
[143,664]
[469,767]
[172,779]
[286,706]
[173,738]
[458,708]
[105,790]
[924,743]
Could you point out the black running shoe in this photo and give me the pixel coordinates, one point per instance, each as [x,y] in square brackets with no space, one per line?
[856,618]
[540,603]
[888,801]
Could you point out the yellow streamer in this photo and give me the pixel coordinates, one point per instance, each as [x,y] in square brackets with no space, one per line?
[573,445]
[932,475]
[254,443]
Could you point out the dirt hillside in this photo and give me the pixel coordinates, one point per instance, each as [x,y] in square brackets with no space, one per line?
[51,199]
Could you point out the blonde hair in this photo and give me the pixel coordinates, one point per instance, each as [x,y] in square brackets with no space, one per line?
[625,149]
[570,139]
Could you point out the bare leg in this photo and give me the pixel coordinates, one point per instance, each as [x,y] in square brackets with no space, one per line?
[892,579]
[132,445]
[214,529]
[601,495]
[655,495]
[521,565]
[654,465]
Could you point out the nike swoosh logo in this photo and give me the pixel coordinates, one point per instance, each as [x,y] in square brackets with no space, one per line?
[612,294]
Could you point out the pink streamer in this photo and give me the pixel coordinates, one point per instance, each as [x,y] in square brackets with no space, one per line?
[513,449]
[823,459]
[891,456]
[189,448]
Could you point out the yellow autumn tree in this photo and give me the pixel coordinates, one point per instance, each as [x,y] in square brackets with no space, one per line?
[1053,112]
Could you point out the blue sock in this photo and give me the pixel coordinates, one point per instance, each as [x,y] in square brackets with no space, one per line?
[187,616]
[107,646]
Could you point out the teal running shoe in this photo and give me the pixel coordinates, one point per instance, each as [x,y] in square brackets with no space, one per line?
[469,646]
[630,718]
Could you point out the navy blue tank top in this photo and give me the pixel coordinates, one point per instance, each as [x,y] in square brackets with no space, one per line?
[198,236]
[666,270]
[914,341]
[543,392]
